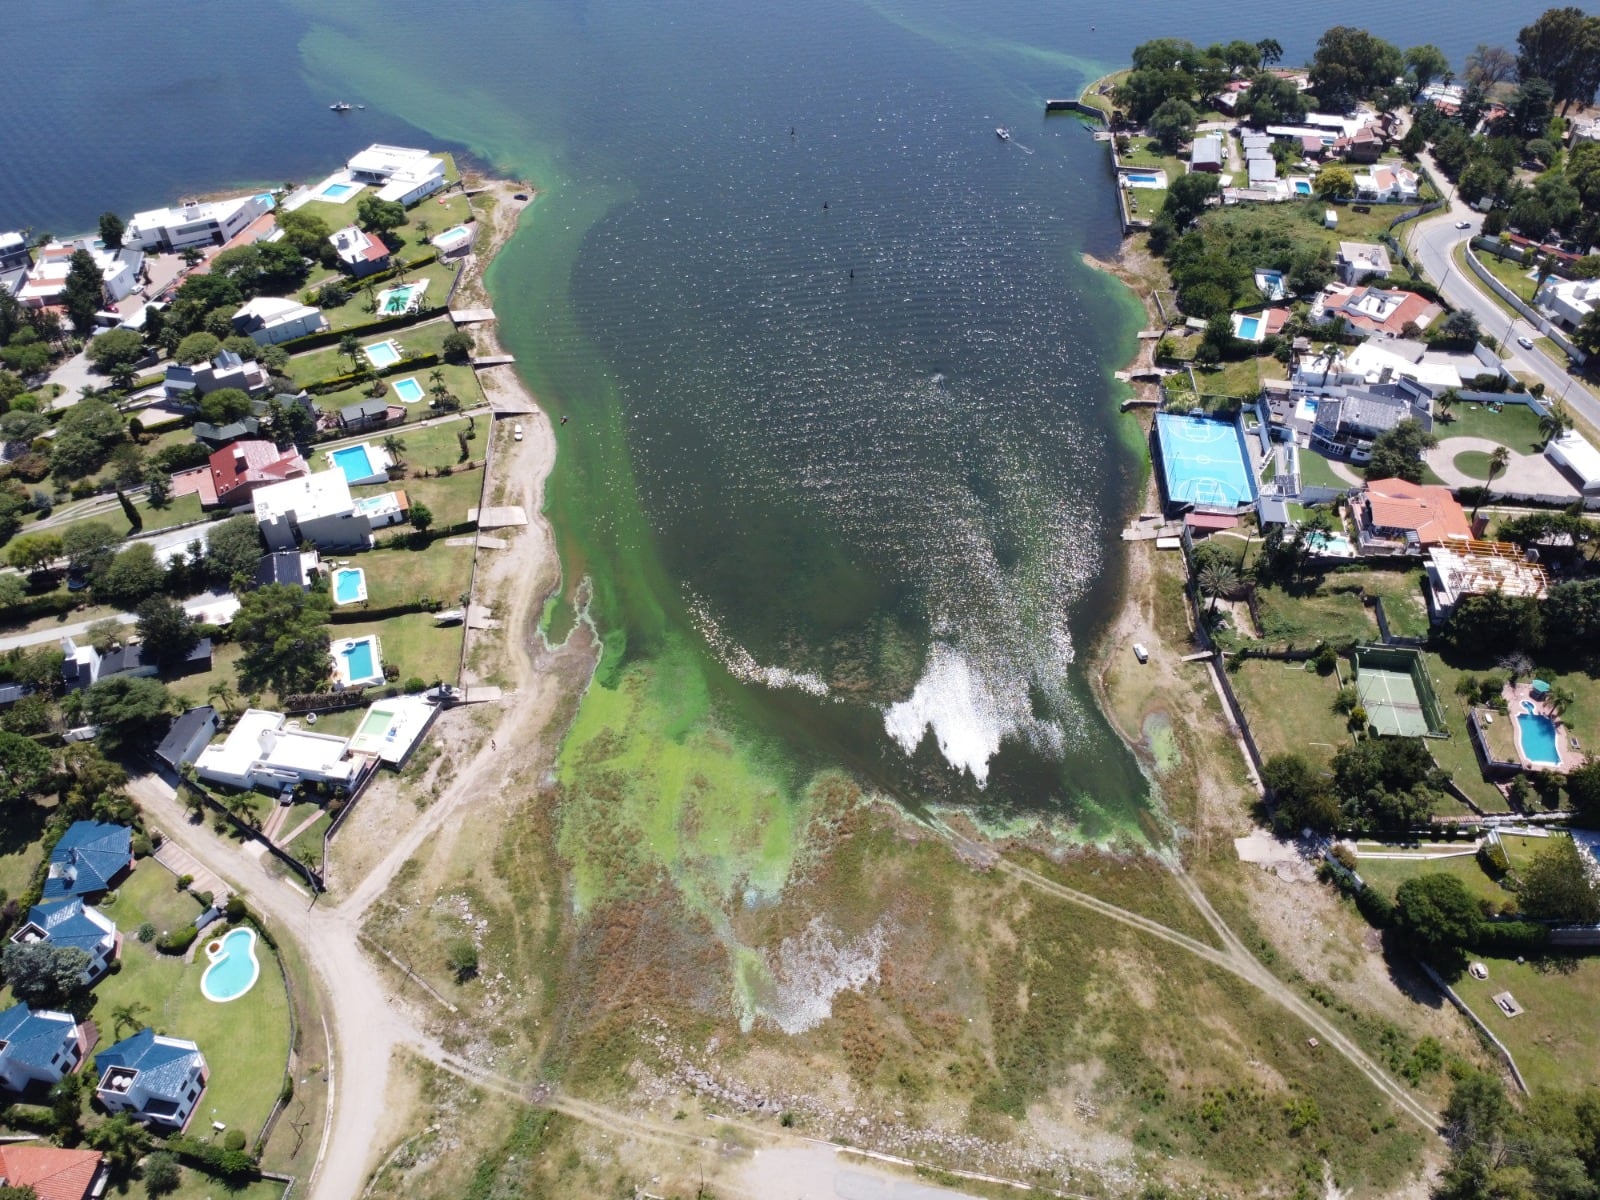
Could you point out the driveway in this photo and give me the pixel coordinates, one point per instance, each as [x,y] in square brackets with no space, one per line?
[1525,474]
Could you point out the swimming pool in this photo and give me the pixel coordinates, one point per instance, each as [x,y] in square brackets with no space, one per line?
[1249,327]
[355,464]
[1332,545]
[408,389]
[1203,461]
[1538,736]
[234,968]
[349,585]
[358,663]
[338,191]
[1141,178]
[1302,188]
[383,354]
[452,235]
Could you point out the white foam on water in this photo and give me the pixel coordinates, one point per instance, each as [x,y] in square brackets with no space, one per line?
[742,664]
[962,712]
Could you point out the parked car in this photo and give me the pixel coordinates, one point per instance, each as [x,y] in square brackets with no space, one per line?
[516,431]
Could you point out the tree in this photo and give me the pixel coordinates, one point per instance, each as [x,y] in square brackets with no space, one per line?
[395,447]
[225,405]
[197,348]
[166,632]
[1425,64]
[122,1140]
[1583,789]
[1497,464]
[1300,795]
[130,711]
[129,1016]
[458,347]
[157,488]
[421,516]
[34,551]
[307,233]
[21,426]
[1269,51]
[1560,47]
[1557,420]
[131,577]
[161,1174]
[87,544]
[115,347]
[84,293]
[1437,911]
[285,643]
[1274,100]
[1172,123]
[111,230]
[233,548]
[1351,64]
[25,769]
[1310,270]
[222,692]
[350,347]
[42,974]
[380,216]
[1397,452]
[1556,885]
[1587,335]
[1489,65]
[1335,182]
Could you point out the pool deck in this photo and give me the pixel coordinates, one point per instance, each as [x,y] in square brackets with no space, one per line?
[1569,756]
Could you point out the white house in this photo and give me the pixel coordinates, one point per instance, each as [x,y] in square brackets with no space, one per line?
[40,1046]
[401,174]
[360,253]
[315,508]
[1358,260]
[1389,184]
[273,319]
[1581,460]
[262,751]
[46,281]
[210,224]
[73,925]
[1569,301]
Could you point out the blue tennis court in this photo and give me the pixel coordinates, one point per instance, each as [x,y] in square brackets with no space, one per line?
[1203,461]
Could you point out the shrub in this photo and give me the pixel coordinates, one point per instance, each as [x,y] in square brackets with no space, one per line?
[235,909]
[1326,660]
[141,846]
[463,959]
[204,898]
[147,933]
[178,941]
[233,1140]
[161,1174]
[184,881]
[415,684]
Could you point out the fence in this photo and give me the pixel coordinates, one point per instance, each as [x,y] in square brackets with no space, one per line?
[255,835]
[1540,322]
[1483,1030]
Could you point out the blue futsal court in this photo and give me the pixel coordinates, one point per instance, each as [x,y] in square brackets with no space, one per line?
[1203,461]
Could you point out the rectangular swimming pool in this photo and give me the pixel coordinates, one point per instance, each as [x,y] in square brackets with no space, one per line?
[383,354]
[1249,327]
[360,662]
[1203,461]
[355,464]
[338,191]
[408,389]
[349,585]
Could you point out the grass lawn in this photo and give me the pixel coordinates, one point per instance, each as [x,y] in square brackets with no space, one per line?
[1515,426]
[414,644]
[178,511]
[246,1041]
[1386,874]
[1403,603]
[309,843]
[194,1185]
[440,572]
[1509,272]
[448,497]
[19,851]
[1300,222]
[1290,708]
[1556,1040]
[1456,753]
[358,309]
[461,380]
[1240,379]
[314,365]
[1316,471]
[1331,613]
[191,689]
[1520,850]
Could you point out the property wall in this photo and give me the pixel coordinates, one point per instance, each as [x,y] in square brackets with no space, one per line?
[1542,323]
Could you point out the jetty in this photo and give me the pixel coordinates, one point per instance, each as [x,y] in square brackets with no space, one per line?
[471,316]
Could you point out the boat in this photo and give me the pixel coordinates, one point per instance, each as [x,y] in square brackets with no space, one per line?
[1002,133]
[340,106]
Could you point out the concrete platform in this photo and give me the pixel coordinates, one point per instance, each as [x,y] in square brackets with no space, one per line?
[471,316]
[498,517]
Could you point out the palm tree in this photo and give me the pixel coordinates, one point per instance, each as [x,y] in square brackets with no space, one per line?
[424,228]
[350,347]
[1555,422]
[129,1016]
[1218,579]
[1446,401]
[395,448]
[436,375]
[1497,464]
[222,691]
[122,1140]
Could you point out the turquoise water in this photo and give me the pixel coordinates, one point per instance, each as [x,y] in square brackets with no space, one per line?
[360,661]
[355,464]
[399,298]
[337,191]
[349,585]
[1302,188]
[1203,460]
[383,354]
[233,973]
[1249,327]
[1538,735]
[408,389]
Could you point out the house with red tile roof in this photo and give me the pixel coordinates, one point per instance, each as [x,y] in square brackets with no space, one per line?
[1394,516]
[237,470]
[53,1173]
[1374,310]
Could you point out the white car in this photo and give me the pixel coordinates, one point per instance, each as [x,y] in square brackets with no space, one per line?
[1463,224]
[1141,653]
[1525,342]
[516,431]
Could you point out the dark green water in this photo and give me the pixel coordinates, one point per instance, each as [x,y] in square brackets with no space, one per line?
[843,462]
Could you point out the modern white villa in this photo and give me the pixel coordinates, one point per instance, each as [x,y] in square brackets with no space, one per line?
[269,320]
[315,508]
[400,173]
[1569,301]
[265,750]
[207,224]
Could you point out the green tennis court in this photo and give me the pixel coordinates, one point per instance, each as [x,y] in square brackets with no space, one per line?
[1391,683]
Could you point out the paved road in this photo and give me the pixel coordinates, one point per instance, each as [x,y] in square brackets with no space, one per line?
[1432,242]
[205,606]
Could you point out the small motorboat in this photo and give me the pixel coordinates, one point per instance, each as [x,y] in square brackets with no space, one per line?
[1002,133]
[339,106]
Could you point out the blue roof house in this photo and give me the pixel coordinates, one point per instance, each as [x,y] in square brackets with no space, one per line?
[40,1046]
[88,858]
[76,925]
[157,1079]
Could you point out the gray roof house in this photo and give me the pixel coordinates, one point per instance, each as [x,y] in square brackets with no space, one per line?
[157,1079]
[1262,170]
[1206,154]
[1349,418]
[84,666]
[39,1046]
[189,735]
[74,925]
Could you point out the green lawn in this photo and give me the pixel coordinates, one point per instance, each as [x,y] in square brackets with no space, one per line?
[1473,463]
[1300,222]
[439,572]
[309,843]
[448,497]
[1240,379]
[246,1041]
[19,850]
[1555,1040]
[191,690]
[197,1186]
[358,309]
[461,380]
[1403,603]
[327,362]
[178,511]
[1456,753]
[1386,874]
[1509,272]
[415,644]
[1316,471]
[1515,426]
[1330,613]
[1290,708]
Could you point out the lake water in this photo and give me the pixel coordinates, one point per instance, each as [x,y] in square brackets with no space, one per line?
[844,464]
